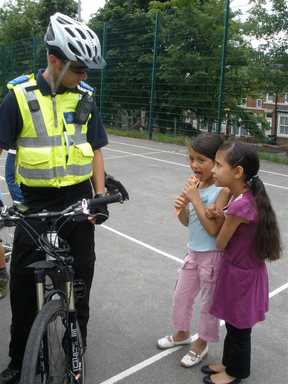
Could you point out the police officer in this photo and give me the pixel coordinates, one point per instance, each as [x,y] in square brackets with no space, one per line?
[54,121]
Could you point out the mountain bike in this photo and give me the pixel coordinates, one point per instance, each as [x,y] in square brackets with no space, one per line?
[54,352]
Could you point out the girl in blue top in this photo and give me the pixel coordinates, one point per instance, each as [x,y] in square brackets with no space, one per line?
[200,267]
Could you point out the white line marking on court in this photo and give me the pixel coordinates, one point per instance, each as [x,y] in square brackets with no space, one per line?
[149,157]
[274,173]
[130,155]
[156,250]
[153,359]
[185,155]
[180,164]
[146,147]
[275,186]
[278,290]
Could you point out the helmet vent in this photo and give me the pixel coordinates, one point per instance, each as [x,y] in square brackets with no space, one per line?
[90,34]
[74,49]
[81,46]
[88,50]
[70,32]
[63,21]
[50,34]
[81,33]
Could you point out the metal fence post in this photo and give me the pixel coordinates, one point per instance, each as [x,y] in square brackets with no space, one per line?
[102,83]
[222,70]
[153,77]
[34,47]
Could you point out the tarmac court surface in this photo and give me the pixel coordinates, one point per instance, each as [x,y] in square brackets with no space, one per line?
[139,250]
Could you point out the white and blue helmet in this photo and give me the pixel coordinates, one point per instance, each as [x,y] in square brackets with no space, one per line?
[74,41]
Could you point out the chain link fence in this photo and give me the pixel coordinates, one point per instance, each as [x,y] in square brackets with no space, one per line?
[160,79]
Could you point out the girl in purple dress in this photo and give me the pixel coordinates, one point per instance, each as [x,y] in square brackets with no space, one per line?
[249,236]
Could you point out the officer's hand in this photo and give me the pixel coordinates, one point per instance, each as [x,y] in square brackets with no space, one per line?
[99,215]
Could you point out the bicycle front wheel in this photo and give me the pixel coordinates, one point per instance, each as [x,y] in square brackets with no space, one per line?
[50,356]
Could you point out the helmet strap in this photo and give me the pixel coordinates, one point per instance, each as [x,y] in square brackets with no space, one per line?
[55,84]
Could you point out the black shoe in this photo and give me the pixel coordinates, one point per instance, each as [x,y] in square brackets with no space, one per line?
[207,370]
[207,380]
[10,375]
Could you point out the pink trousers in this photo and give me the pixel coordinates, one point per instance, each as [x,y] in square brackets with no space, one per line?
[198,274]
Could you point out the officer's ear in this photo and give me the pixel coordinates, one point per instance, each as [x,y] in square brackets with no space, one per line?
[54,61]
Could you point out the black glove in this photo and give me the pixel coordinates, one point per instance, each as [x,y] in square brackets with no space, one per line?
[114,186]
[101,213]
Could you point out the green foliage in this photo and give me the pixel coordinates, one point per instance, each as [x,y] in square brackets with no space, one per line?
[188,58]
[18,20]
[254,124]
[46,8]
[23,19]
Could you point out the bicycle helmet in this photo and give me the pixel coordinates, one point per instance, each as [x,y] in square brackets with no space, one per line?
[74,41]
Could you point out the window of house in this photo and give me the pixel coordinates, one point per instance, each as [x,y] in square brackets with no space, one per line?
[283,126]
[259,103]
[269,98]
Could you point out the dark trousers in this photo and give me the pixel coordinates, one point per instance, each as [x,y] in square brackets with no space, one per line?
[80,237]
[237,351]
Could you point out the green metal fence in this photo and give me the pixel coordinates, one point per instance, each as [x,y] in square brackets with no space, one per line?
[157,78]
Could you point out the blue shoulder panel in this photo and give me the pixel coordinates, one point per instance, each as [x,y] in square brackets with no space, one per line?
[86,86]
[19,80]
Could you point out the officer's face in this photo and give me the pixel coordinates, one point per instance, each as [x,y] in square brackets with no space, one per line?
[74,74]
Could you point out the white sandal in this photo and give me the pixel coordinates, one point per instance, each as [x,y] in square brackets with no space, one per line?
[193,358]
[169,342]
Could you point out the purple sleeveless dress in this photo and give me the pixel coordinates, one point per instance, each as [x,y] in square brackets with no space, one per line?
[241,295]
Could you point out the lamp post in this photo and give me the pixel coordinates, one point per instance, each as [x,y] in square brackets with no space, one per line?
[222,69]
[79,10]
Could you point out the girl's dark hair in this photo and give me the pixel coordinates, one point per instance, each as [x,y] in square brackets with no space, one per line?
[207,144]
[268,244]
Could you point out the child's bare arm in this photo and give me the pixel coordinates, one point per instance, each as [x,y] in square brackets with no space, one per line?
[182,211]
[192,194]
[223,198]
[221,201]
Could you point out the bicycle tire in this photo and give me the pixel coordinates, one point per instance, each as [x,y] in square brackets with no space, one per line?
[40,331]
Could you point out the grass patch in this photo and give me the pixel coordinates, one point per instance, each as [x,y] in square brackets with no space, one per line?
[157,136]
[279,158]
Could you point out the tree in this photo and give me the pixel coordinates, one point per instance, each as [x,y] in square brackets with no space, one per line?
[271,69]
[47,8]
[188,65]
[24,19]
[127,45]
[18,20]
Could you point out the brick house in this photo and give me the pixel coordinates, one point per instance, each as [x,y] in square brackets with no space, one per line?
[275,112]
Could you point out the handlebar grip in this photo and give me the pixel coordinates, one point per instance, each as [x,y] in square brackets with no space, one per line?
[105,200]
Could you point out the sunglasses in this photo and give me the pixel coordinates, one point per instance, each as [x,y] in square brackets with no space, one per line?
[77,69]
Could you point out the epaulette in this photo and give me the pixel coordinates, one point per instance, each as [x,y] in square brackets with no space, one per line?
[19,80]
[86,87]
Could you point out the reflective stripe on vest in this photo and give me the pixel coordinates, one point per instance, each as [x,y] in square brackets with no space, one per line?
[46,174]
[42,141]
[49,155]
[37,116]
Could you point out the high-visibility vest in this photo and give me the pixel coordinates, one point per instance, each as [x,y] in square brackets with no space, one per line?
[52,150]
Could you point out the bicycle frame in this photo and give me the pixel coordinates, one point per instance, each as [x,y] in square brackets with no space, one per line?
[58,261]
[46,268]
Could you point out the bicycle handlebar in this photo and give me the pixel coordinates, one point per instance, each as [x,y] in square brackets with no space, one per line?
[84,206]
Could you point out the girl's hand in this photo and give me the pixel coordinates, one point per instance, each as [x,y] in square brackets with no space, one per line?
[191,187]
[181,202]
[212,212]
